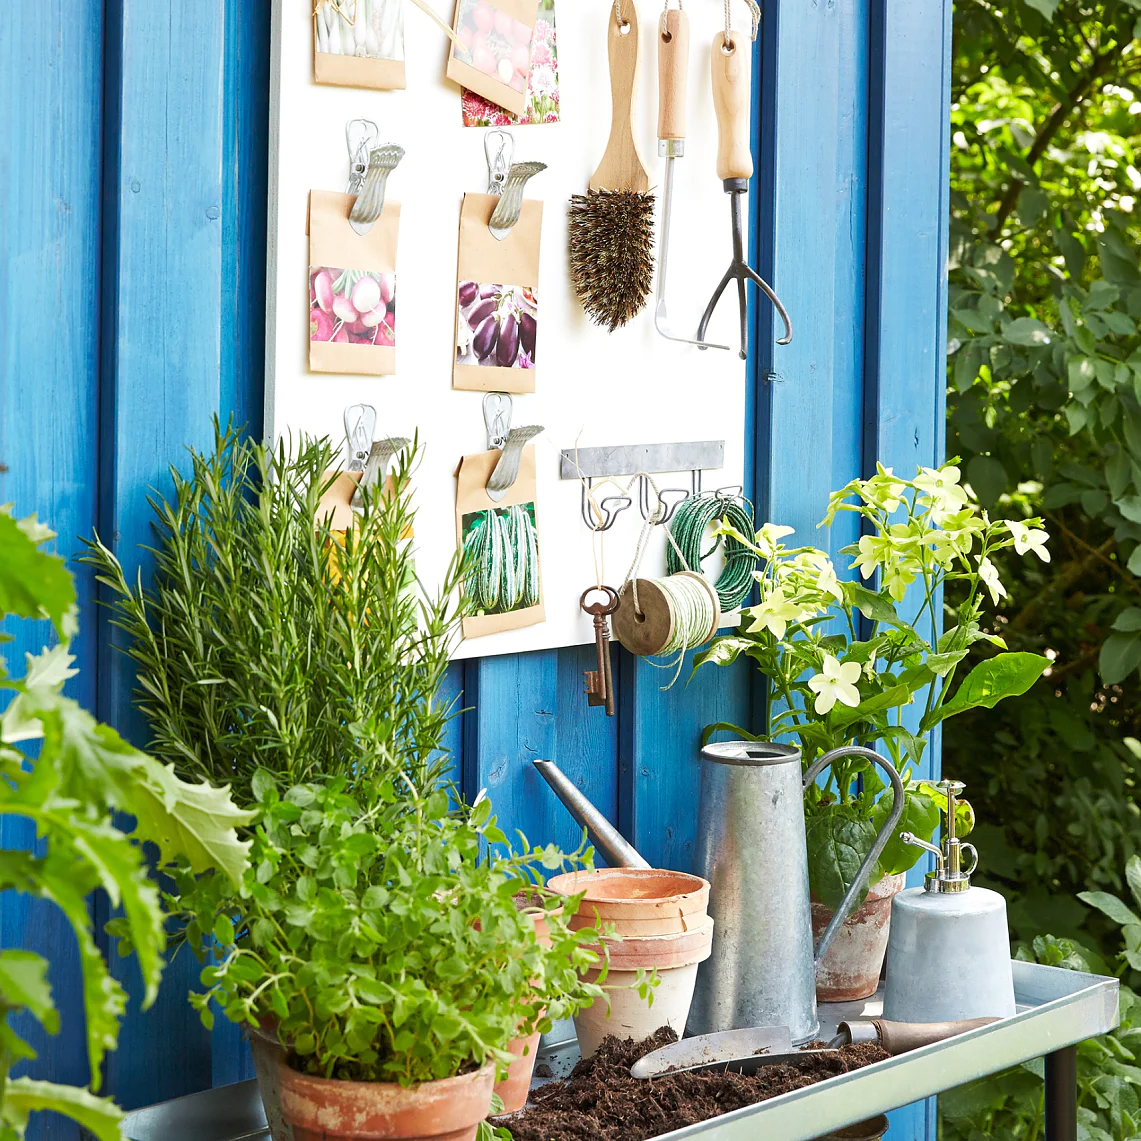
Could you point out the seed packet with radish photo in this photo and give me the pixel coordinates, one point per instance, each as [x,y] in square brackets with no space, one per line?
[359,43]
[494,59]
[497,299]
[352,288]
[542,83]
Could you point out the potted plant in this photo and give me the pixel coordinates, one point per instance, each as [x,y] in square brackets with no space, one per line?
[388,955]
[847,661]
[82,773]
[283,630]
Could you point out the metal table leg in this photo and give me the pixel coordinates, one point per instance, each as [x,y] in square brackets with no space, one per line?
[1062,1095]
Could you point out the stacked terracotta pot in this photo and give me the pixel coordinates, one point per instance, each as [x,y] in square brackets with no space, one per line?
[661,922]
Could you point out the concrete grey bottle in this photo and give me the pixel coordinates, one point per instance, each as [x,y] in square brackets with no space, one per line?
[948,955]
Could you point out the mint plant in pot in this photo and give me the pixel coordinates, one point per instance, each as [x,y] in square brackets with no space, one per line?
[389,955]
[850,663]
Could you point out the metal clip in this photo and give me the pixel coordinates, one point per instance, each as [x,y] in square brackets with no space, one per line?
[511,203]
[499,163]
[501,437]
[376,468]
[360,427]
[382,161]
[361,135]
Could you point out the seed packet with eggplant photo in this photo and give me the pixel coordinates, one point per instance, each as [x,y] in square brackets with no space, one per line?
[497,300]
[359,43]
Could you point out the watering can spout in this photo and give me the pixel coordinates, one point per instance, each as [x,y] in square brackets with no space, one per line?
[618,852]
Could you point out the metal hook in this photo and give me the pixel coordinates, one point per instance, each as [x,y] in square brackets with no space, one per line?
[360,428]
[609,514]
[382,161]
[360,142]
[510,206]
[497,410]
[665,509]
[499,163]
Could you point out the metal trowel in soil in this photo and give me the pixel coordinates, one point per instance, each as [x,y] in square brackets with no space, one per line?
[746,1051]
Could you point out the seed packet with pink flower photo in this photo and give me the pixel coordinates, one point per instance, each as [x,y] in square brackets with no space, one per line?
[352,288]
[542,83]
[493,58]
[497,302]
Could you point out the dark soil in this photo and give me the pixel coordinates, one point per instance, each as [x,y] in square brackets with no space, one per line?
[600,1101]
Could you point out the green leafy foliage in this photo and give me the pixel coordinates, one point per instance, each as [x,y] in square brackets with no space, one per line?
[1044,379]
[269,638]
[377,942]
[1010,1104]
[855,687]
[81,774]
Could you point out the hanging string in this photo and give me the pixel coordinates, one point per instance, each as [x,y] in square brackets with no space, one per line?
[754,15]
[338,6]
[687,529]
[618,14]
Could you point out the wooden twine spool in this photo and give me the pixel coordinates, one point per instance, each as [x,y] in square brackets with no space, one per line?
[654,630]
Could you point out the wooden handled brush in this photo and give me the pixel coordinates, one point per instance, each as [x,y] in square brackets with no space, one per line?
[612,226]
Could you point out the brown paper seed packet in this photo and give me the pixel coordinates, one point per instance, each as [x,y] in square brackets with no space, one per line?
[497,300]
[352,288]
[359,43]
[497,38]
[504,586]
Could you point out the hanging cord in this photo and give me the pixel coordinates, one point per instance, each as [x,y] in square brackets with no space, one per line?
[338,6]
[754,14]
[687,529]
[689,598]
[618,14]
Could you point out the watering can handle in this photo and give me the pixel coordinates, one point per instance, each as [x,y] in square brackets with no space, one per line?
[885,833]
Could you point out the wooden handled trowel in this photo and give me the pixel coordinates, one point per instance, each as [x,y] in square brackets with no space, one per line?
[746,1051]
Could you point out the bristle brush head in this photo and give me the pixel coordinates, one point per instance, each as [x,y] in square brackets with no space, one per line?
[611,253]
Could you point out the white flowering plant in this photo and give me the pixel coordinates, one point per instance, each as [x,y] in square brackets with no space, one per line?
[867,662]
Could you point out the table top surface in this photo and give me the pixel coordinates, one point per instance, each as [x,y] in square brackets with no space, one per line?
[1056,1008]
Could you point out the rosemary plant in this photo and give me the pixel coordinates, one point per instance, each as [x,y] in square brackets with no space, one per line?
[268,640]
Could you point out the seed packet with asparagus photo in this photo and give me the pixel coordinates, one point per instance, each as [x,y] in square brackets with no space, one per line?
[497,300]
[359,43]
[501,541]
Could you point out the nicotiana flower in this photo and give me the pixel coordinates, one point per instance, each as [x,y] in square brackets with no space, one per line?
[988,573]
[834,683]
[874,550]
[941,487]
[769,537]
[1028,538]
[775,613]
[883,490]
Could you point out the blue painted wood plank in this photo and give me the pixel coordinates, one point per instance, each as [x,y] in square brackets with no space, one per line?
[184,262]
[50,136]
[905,409]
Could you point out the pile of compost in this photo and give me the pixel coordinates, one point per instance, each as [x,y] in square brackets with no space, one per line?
[600,1101]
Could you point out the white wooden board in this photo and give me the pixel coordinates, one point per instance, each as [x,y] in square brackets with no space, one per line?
[594,388]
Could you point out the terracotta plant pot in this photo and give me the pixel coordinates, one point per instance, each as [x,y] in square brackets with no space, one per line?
[850,969]
[514,1088]
[676,958]
[637,901]
[268,1055]
[319,1109]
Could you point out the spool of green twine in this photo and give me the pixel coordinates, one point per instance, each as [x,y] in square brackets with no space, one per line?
[688,526]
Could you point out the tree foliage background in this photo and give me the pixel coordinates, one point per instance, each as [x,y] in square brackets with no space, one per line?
[1044,373]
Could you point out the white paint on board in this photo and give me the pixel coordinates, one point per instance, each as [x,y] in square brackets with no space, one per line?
[594,388]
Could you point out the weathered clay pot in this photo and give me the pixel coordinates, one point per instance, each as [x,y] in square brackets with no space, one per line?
[269,1054]
[637,901]
[514,1088]
[628,1015]
[850,969]
[320,1109]
[870,1130]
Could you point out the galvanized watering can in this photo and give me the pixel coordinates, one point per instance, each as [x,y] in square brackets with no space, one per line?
[751,847]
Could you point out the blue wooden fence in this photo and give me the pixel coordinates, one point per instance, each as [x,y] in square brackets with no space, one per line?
[132,249]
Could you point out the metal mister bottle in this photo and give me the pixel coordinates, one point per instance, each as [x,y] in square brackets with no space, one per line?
[752,848]
[948,955]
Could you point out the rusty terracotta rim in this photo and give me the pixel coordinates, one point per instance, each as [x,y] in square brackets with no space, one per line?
[694,889]
[677,949]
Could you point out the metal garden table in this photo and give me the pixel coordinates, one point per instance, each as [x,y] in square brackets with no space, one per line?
[1057,1009]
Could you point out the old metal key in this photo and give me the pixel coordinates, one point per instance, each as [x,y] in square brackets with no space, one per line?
[600,683]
